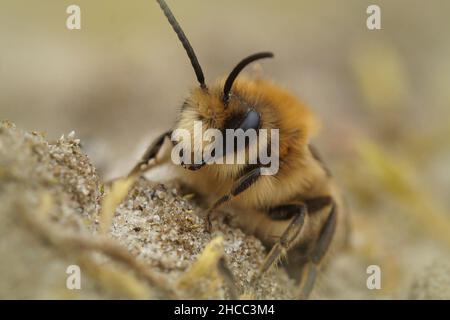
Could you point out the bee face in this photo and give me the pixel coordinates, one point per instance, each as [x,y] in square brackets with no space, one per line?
[208,107]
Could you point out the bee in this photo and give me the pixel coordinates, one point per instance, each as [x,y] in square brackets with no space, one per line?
[298,212]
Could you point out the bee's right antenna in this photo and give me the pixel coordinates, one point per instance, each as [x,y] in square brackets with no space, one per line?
[235,72]
[184,41]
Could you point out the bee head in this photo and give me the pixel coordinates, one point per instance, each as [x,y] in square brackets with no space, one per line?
[238,103]
[225,104]
[206,109]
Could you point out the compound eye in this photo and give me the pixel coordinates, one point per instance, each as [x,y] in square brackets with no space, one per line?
[251,120]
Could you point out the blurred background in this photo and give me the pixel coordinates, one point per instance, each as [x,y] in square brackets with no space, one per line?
[383,97]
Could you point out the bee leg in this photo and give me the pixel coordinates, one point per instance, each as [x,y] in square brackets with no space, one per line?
[287,238]
[308,280]
[318,252]
[150,153]
[239,186]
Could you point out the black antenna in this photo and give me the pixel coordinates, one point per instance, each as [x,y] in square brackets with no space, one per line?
[184,41]
[241,65]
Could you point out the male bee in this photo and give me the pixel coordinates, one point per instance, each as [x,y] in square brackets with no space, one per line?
[298,212]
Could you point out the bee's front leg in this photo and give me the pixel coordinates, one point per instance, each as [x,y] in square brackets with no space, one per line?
[150,153]
[239,186]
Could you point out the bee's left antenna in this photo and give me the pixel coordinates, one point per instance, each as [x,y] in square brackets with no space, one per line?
[184,41]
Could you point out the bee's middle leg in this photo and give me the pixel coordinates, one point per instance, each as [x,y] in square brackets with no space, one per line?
[286,241]
[316,256]
[287,238]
